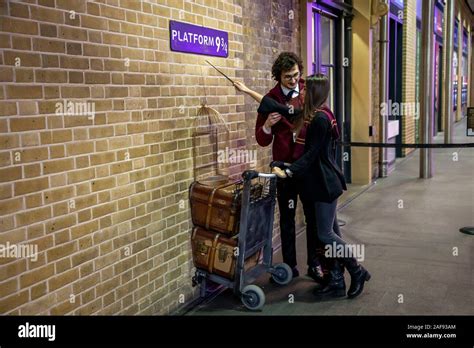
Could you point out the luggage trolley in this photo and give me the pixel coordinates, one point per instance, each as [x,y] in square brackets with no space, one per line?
[255,233]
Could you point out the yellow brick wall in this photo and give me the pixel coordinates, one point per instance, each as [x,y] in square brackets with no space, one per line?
[99,197]
[409,72]
[105,200]
[375,97]
[471,71]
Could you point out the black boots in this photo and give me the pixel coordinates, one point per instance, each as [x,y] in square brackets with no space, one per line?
[316,272]
[336,287]
[359,275]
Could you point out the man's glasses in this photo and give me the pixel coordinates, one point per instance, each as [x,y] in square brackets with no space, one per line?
[291,77]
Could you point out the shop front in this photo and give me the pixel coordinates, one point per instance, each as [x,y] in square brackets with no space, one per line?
[328,47]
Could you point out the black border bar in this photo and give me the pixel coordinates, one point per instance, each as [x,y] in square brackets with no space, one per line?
[224,330]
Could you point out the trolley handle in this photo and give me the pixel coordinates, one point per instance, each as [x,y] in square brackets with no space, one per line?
[280,164]
[252,174]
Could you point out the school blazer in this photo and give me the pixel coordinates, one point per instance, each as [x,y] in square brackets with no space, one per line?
[319,177]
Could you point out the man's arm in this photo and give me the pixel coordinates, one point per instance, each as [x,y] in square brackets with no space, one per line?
[243,88]
[263,134]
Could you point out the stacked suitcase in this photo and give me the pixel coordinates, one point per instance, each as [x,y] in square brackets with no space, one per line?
[215,212]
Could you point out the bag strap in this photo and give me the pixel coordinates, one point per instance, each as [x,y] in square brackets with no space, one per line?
[331,117]
[333,122]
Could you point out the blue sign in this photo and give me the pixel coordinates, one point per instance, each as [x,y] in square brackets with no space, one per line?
[191,38]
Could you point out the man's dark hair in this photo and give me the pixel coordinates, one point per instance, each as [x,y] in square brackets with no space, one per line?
[284,62]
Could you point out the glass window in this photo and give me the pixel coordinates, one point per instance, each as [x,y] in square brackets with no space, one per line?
[327,35]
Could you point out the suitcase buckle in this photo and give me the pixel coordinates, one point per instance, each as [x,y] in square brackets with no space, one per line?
[223,252]
[202,248]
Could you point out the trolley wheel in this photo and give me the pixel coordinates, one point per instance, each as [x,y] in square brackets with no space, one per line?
[253,297]
[283,274]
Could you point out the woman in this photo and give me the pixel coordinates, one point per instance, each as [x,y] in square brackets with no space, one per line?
[323,183]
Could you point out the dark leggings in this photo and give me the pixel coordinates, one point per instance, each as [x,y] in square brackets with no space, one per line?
[326,222]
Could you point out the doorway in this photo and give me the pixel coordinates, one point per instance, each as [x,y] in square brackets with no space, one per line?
[438,124]
[395,80]
[329,42]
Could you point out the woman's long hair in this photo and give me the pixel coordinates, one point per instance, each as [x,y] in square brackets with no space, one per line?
[317,92]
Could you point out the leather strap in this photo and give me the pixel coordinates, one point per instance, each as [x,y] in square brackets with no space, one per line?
[213,252]
[210,201]
[233,210]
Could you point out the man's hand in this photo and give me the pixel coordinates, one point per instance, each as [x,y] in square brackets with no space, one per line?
[272,118]
[241,87]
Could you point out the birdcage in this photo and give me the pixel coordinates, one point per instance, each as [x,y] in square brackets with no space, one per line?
[210,136]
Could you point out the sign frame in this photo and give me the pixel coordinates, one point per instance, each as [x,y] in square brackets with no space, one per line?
[195,39]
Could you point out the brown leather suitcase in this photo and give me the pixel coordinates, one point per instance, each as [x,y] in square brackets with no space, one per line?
[215,253]
[215,208]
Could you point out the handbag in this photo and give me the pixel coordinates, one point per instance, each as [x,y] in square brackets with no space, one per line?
[334,182]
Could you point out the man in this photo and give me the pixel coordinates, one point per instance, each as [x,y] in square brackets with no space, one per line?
[273,127]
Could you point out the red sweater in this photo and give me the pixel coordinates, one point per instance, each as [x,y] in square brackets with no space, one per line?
[282,131]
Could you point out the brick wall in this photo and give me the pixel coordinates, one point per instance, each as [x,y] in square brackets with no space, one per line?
[375,97]
[104,198]
[471,75]
[409,73]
